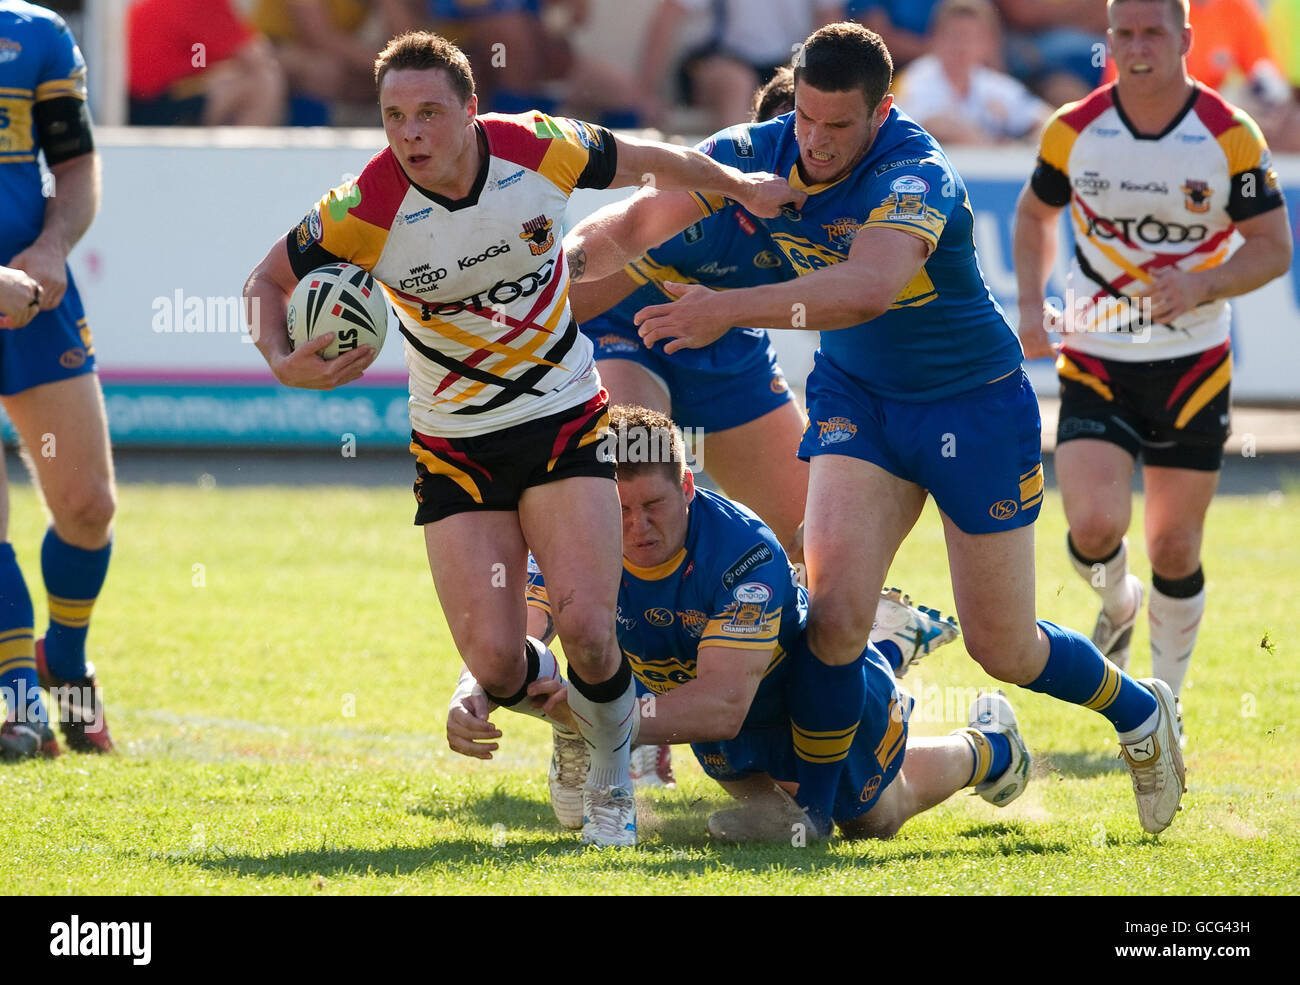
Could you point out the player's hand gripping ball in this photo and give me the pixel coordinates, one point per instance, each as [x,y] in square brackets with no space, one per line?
[341,298]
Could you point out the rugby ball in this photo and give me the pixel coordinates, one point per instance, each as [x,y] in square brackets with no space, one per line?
[341,298]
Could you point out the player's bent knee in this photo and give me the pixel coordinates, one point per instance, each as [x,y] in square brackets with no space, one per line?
[870,825]
[1096,536]
[588,637]
[837,632]
[85,514]
[1008,660]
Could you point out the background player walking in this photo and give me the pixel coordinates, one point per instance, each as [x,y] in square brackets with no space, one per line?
[1175,207]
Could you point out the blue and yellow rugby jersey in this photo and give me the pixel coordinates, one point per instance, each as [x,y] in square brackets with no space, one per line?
[727,249]
[944,334]
[40,64]
[731,585]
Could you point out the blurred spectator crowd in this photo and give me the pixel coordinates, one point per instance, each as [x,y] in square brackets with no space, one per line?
[972,71]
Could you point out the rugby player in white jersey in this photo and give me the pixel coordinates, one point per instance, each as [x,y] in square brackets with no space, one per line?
[1175,208]
[460,219]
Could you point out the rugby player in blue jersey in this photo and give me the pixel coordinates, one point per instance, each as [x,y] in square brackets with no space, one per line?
[709,613]
[732,390]
[917,389]
[48,384]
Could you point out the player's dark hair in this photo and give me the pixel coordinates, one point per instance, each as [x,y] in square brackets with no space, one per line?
[775,98]
[424,50]
[644,440]
[840,57]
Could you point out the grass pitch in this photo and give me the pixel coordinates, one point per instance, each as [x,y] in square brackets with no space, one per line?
[276,670]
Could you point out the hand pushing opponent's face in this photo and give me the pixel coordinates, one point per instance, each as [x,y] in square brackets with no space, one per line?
[655,510]
[834,130]
[429,129]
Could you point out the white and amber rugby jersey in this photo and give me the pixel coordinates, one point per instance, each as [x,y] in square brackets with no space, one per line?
[1139,204]
[480,284]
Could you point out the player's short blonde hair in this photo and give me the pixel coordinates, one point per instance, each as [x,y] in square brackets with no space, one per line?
[645,440]
[1181,9]
[981,10]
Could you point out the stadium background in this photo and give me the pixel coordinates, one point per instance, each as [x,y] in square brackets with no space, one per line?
[275,669]
[188,211]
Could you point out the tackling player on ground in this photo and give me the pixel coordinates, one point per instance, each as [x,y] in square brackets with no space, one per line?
[48,384]
[710,618]
[460,219]
[1159,174]
[917,389]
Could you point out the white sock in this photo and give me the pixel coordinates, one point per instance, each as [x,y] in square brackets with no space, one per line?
[547,669]
[1109,580]
[607,728]
[1174,624]
[1142,731]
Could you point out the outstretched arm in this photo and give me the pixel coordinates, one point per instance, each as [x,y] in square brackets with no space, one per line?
[608,239]
[880,265]
[710,708]
[672,168]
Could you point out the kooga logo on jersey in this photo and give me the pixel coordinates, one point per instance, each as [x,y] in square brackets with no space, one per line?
[491,251]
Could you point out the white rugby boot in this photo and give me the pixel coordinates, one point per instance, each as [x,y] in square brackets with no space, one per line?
[992,712]
[570,758]
[609,817]
[1156,763]
[652,766]
[916,629]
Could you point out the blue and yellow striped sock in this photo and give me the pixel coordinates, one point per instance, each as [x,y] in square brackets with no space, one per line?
[22,693]
[991,752]
[1077,672]
[826,706]
[73,578]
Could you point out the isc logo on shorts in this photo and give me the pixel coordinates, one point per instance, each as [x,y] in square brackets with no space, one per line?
[869,791]
[73,358]
[1004,509]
